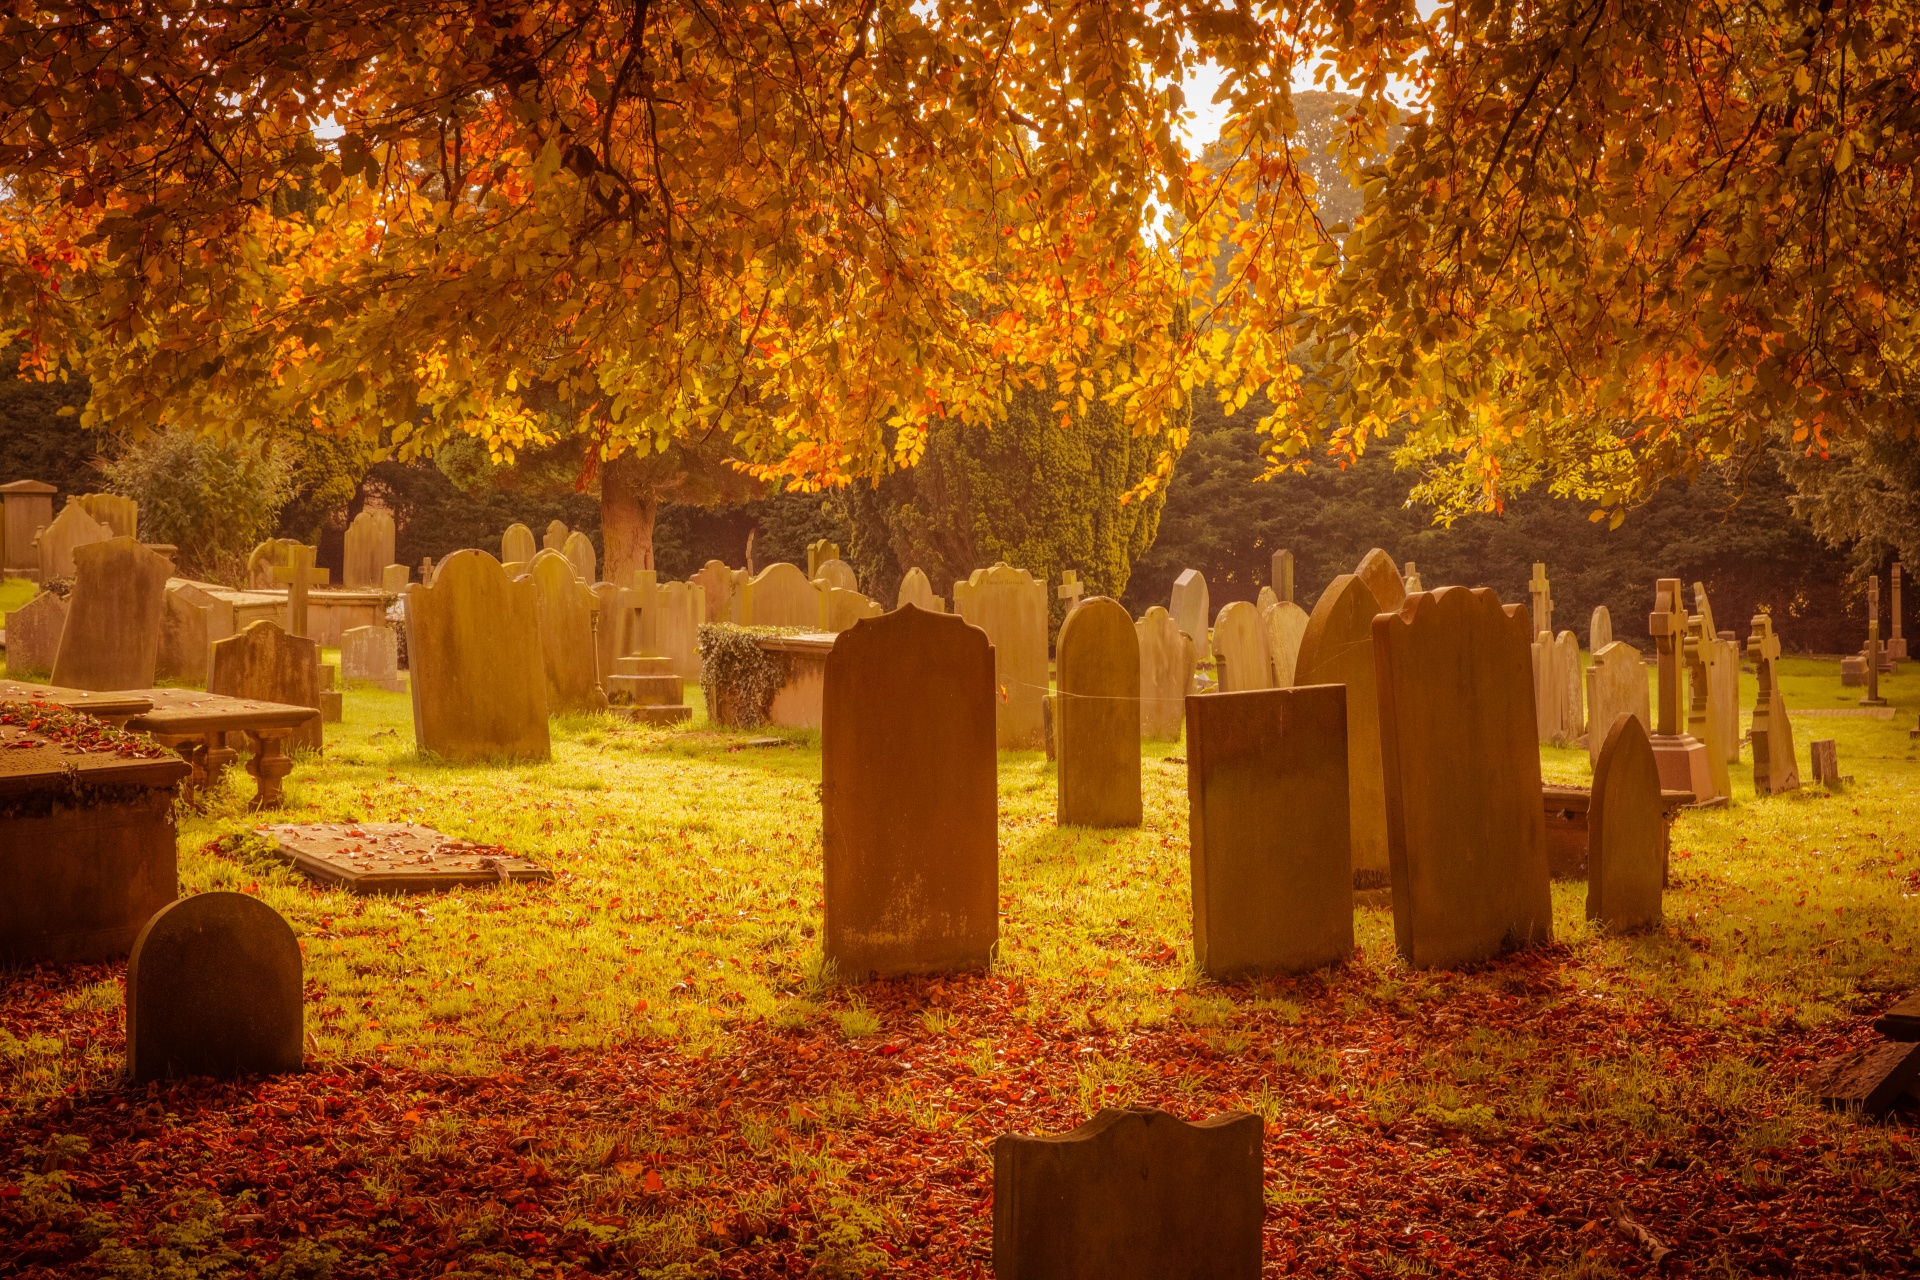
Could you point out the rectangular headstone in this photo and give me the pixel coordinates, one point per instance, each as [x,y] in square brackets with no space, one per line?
[1098,725]
[369,548]
[265,664]
[33,634]
[473,658]
[1010,605]
[1166,674]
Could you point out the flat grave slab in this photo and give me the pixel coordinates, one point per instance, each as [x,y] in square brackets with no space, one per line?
[394,857]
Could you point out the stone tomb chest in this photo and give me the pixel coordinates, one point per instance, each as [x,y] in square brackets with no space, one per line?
[394,857]
[86,834]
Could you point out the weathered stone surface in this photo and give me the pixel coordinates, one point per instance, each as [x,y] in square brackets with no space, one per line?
[1681,756]
[25,505]
[1567,685]
[473,656]
[394,857]
[1131,1195]
[369,548]
[1383,578]
[1824,756]
[372,653]
[780,595]
[1723,697]
[837,574]
[1010,605]
[517,545]
[1600,630]
[213,989]
[265,664]
[112,636]
[819,551]
[846,607]
[556,537]
[1266,600]
[1868,1080]
[1240,649]
[118,512]
[1166,674]
[274,553]
[1337,648]
[1616,686]
[71,529]
[918,592]
[1269,895]
[563,610]
[33,634]
[1775,768]
[715,580]
[1462,767]
[1901,1021]
[190,621]
[1626,857]
[1286,626]
[908,802]
[1097,718]
[682,608]
[578,549]
[394,578]
[1191,609]
[1282,576]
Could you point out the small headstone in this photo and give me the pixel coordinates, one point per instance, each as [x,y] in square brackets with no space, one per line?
[111,639]
[1010,605]
[1826,762]
[1412,578]
[1240,649]
[1382,577]
[1269,896]
[214,989]
[33,634]
[1599,630]
[372,654]
[369,548]
[1191,609]
[844,608]
[578,549]
[716,581]
[781,596]
[556,537]
[1166,674]
[563,605]
[1097,728]
[72,529]
[1626,858]
[516,546]
[394,857]
[1286,625]
[1616,686]
[918,592]
[838,575]
[1265,600]
[473,655]
[265,664]
[909,805]
[1283,576]
[1868,1080]
[394,579]
[1131,1195]
[1853,671]
[1337,648]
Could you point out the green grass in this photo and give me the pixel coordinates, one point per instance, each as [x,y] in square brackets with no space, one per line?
[15,592]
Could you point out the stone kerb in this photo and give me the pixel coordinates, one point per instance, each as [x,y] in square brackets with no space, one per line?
[473,654]
[1166,674]
[563,610]
[1337,648]
[112,635]
[1097,717]
[1626,832]
[213,989]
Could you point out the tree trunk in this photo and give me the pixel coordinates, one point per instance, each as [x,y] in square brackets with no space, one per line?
[628,505]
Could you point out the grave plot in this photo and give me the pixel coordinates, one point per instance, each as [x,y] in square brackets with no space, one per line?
[394,857]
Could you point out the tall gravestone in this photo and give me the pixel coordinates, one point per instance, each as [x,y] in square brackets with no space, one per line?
[1191,609]
[33,635]
[473,655]
[1707,683]
[1267,817]
[910,814]
[1166,673]
[1616,686]
[1337,648]
[265,664]
[72,529]
[1240,649]
[214,989]
[578,549]
[516,546]
[780,595]
[1465,821]
[1283,576]
[369,548]
[25,505]
[112,636]
[1776,765]
[1540,589]
[918,592]
[1286,626]
[1567,684]
[1010,605]
[1897,641]
[1097,717]
[563,608]
[1681,756]
[1626,832]
[715,581]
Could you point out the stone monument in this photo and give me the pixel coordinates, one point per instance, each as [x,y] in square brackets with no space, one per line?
[55,544]
[1010,605]
[1190,609]
[265,664]
[1626,832]
[578,549]
[1286,626]
[214,989]
[369,548]
[1616,686]
[918,592]
[516,547]
[33,635]
[1337,648]
[563,608]
[1166,674]
[1240,649]
[473,656]
[1097,721]
[111,639]
[1775,763]
[1681,756]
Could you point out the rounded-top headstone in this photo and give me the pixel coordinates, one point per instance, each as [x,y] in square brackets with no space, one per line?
[213,989]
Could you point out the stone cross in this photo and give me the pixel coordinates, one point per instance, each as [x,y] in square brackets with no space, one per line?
[1070,588]
[1543,600]
[299,575]
[1283,576]
[1668,626]
[1873,698]
[426,568]
[1763,646]
[1412,576]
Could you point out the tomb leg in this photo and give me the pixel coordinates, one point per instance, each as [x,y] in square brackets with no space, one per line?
[269,764]
[218,756]
[193,749]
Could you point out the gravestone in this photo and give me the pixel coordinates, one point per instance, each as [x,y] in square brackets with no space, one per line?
[578,549]
[274,553]
[1191,609]
[838,575]
[1283,576]
[395,857]
[1269,895]
[111,639]
[394,579]
[1868,1081]
[918,592]
[1097,717]
[298,574]
[191,619]
[1412,579]
[1266,600]
[1775,765]
[33,634]
[1616,686]
[1337,648]
[715,581]
[1132,1194]
[555,538]
[1722,703]
[909,808]
[563,609]
[1567,685]
[1681,756]
[474,658]
[1824,756]
[676,635]
[1240,649]
[1541,592]
[782,596]
[844,608]
[372,654]
[1010,605]
[1599,629]
[265,664]
[1070,590]
[819,551]
[1462,767]
[1166,674]
[118,512]
[214,989]
[25,505]
[369,548]
[1378,571]
[1705,720]
[1626,832]
[1286,626]
[72,529]
[1872,654]
[516,546]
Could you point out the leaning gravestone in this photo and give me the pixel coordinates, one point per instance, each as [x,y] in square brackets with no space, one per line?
[112,636]
[908,803]
[1616,686]
[1166,674]
[72,529]
[213,989]
[1626,831]
[395,857]
[372,654]
[917,591]
[265,664]
[1240,649]
[1286,624]
[1269,895]
[33,635]
[1191,609]
[578,549]
[563,609]
[1097,721]
[473,654]
[369,548]
[1465,820]
[1010,605]
[516,546]
[1131,1195]
[1337,648]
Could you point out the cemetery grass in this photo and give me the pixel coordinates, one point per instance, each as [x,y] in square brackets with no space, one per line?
[644,1068]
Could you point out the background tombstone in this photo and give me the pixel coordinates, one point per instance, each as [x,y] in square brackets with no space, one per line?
[1097,719]
[1723,681]
[1682,757]
[111,639]
[1775,763]
[1337,648]
[369,548]
[1897,641]
[782,596]
[910,814]
[1567,685]
[1070,590]
[1541,592]
[516,546]
[118,512]
[1705,719]
[1266,600]
[578,549]
[715,581]
[372,654]
[1382,577]
[1286,625]
[1166,673]
[1626,832]
[394,579]
[1465,819]
[1010,605]
[844,608]
[918,592]
[214,989]
[681,608]
[819,551]
[1190,609]
[837,574]
[186,633]
[265,664]
[33,635]
[1616,686]
[1269,895]
[555,538]
[474,661]
[563,609]
[1599,630]
[1411,578]
[274,553]
[299,573]
[1131,1195]
[1240,649]
[25,505]
[1283,576]
[72,529]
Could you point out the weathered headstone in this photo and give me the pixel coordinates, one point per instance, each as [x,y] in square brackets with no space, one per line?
[1266,600]
[1286,625]
[1462,767]
[1191,609]
[1824,756]
[265,664]
[819,551]
[265,558]
[1872,654]
[1681,756]
[1337,648]
[298,574]
[1382,577]
[1283,576]
[369,548]
[781,596]
[395,857]
[1722,701]
[473,655]
[1541,592]
[1240,649]
[111,639]
[394,579]
[214,989]
[1270,894]
[844,608]
[918,592]
[908,801]
[1166,673]
[680,609]
[578,549]
[118,512]
[516,546]
[1131,1195]
[563,606]
[372,654]
[1897,642]
[25,505]
[33,634]
[1616,686]
[72,529]
[193,616]
[1010,605]
[1705,718]
[1870,1080]
[1775,766]
[1097,720]
[1600,629]
[1567,685]
[715,581]
[1626,831]
[838,575]
[555,538]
